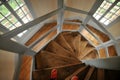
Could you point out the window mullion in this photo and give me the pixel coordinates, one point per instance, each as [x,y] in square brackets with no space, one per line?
[6,18]
[115,3]
[13,12]
[3,28]
[21,9]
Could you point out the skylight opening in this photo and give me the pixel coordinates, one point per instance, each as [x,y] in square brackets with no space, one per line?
[9,20]
[104,16]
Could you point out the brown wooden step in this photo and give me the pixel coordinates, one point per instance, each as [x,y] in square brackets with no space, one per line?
[100,74]
[83,45]
[77,44]
[61,41]
[92,55]
[86,51]
[90,72]
[94,75]
[54,47]
[78,71]
[70,37]
[63,72]
[47,59]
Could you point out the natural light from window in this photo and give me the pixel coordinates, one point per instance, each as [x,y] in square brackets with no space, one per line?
[11,21]
[103,15]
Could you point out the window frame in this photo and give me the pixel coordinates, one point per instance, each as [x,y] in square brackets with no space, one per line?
[26,15]
[108,11]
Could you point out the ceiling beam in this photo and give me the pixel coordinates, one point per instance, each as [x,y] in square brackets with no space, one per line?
[60,17]
[30,24]
[3,28]
[12,46]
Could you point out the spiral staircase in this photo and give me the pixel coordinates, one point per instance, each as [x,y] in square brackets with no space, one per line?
[65,53]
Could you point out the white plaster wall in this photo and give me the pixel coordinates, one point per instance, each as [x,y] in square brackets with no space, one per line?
[7,65]
[115,30]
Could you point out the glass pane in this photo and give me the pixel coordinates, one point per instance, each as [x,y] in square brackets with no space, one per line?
[103,20]
[12,19]
[98,16]
[25,9]
[107,22]
[102,11]
[107,5]
[114,9]
[6,23]
[12,27]
[13,4]
[118,4]
[20,2]
[113,17]
[103,4]
[20,13]
[18,24]
[108,15]
[25,20]
[118,12]
[1,17]
[4,10]
[111,1]
[29,17]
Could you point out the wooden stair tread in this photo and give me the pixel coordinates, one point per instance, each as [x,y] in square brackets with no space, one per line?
[46,59]
[100,74]
[88,75]
[63,72]
[77,45]
[54,47]
[86,51]
[76,72]
[70,38]
[94,75]
[83,45]
[92,55]
[61,41]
